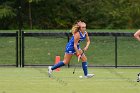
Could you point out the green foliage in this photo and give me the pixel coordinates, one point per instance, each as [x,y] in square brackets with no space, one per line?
[7,9]
[6,12]
[55,14]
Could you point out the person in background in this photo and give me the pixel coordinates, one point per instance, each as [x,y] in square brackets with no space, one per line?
[137,35]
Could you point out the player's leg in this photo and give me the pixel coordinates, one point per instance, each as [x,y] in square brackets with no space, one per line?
[66,60]
[85,66]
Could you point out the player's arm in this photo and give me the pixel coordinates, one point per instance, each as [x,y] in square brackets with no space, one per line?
[76,39]
[88,42]
[137,35]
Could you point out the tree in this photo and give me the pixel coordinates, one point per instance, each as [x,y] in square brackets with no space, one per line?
[55,14]
[134,13]
[7,12]
[30,12]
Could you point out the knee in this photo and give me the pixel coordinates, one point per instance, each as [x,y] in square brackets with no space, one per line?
[66,62]
[84,58]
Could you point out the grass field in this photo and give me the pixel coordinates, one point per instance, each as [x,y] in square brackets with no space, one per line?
[35,80]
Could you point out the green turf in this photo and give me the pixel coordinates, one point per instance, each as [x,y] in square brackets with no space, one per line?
[35,80]
[8,50]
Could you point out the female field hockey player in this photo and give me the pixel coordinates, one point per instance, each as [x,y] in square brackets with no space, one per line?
[137,35]
[73,47]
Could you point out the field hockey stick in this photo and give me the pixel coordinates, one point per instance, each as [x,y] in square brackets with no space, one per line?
[79,57]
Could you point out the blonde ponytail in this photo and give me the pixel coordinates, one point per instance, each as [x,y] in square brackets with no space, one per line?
[74,29]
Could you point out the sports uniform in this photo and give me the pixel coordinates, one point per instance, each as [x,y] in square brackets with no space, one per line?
[70,45]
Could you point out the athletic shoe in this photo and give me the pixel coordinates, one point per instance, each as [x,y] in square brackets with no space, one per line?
[138,79]
[89,76]
[49,71]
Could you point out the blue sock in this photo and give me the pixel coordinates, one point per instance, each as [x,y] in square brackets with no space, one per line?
[84,66]
[60,64]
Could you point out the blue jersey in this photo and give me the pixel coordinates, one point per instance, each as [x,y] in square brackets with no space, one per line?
[70,45]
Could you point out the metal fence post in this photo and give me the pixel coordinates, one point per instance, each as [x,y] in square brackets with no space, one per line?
[16,48]
[22,48]
[20,25]
[116,52]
